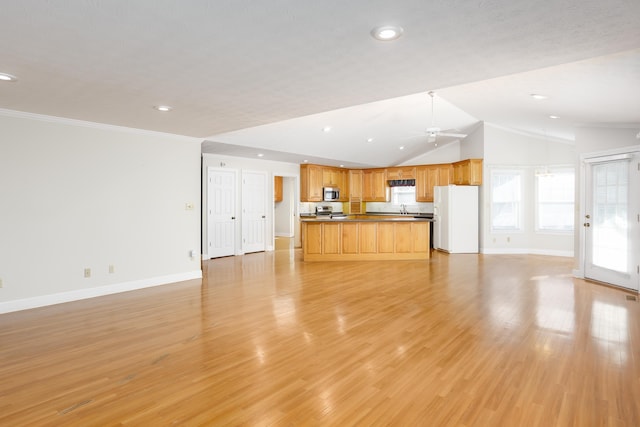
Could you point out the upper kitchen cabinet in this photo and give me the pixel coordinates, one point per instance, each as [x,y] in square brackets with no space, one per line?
[277,188]
[311,183]
[355,192]
[337,178]
[374,185]
[467,172]
[406,172]
[429,176]
[355,184]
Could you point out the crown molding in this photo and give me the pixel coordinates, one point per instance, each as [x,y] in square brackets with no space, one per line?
[94,125]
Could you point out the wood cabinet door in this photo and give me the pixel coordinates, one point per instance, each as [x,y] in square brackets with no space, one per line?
[403,238]
[368,237]
[445,174]
[331,238]
[426,178]
[350,238]
[355,184]
[310,183]
[315,183]
[313,238]
[420,236]
[380,185]
[386,238]
[277,188]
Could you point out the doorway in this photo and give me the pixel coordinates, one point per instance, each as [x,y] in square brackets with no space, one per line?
[611,219]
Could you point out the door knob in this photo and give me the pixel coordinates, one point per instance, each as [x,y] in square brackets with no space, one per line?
[587,216]
[586,224]
[233,217]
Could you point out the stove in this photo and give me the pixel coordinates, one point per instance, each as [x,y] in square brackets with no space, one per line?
[325,212]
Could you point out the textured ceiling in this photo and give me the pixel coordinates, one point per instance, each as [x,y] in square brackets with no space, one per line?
[230,65]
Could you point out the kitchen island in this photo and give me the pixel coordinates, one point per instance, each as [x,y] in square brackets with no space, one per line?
[365,238]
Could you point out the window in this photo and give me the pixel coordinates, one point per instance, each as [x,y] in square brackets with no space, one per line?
[555,194]
[403,196]
[506,200]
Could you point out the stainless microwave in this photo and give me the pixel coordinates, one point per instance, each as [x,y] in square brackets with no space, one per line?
[330,194]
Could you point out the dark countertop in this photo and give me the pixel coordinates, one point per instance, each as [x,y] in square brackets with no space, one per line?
[354,218]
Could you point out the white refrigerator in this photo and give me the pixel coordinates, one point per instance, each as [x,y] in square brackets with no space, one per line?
[455,211]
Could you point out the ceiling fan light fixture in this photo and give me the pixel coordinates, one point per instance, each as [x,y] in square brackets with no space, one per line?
[163,108]
[387,33]
[554,117]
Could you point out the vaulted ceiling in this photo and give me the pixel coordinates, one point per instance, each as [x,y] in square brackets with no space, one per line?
[250,77]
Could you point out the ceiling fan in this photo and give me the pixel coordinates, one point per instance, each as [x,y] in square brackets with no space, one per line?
[433,132]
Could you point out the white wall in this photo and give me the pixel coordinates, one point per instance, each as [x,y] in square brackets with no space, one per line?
[448,153]
[508,149]
[75,195]
[256,165]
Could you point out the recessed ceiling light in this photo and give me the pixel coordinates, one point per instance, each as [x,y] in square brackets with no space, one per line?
[341,166]
[387,33]
[369,139]
[163,108]
[402,148]
[306,161]
[554,117]
[326,129]
[538,96]
[7,77]
[260,155]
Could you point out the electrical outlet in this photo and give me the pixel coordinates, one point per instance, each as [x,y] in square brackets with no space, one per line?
[508,239]
[188,206]
[112,269]
[87,272]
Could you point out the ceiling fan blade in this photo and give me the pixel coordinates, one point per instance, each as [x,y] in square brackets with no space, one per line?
[454,135]
[432,138]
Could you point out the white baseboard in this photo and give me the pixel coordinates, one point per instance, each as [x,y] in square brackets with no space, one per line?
[80,294]
[523,251]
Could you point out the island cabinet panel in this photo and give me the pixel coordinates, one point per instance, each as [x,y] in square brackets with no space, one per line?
[404,238]
[331,239]
[365,240]
[369,238]
[386,239]
[419,236]
[313,239]
[350,240]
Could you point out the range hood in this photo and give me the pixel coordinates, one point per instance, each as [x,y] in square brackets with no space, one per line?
[401,182]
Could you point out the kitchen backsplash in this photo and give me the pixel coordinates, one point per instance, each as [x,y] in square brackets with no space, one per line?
[310,207]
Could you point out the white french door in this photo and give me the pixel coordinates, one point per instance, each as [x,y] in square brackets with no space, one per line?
[254,208]
[221,217]
[612,219]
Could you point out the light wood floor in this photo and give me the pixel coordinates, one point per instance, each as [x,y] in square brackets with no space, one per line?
[266,339]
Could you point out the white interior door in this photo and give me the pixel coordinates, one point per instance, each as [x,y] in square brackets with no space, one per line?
[221,220]
[254,208]
[612,220]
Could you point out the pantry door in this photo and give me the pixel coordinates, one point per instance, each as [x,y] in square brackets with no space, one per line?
[221,216]
[611,221]
[254,211]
